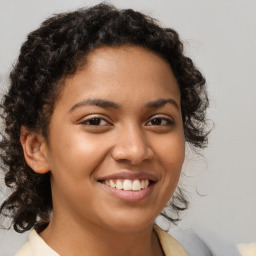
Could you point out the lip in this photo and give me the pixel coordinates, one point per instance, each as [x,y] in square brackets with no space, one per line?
[129,196]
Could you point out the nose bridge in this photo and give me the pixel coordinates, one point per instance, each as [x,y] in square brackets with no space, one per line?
[131,144]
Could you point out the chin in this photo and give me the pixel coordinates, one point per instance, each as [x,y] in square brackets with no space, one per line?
[130,223]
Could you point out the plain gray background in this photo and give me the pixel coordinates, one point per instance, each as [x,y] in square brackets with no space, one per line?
[220,36]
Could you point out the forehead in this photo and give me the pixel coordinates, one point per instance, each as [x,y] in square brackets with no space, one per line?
[118,72]
[131,58]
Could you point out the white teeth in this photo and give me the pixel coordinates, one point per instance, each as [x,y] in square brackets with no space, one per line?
[142,184]
[136,185]
[112,184]
[119,184]
[129,185]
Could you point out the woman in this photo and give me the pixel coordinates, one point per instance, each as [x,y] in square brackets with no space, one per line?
[99,109]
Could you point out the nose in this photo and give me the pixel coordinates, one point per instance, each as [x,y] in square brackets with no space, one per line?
[132,146]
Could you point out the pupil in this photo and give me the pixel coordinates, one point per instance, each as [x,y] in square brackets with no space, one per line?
[156,121]
[94,121]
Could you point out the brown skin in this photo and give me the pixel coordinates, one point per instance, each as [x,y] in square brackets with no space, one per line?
[86,217]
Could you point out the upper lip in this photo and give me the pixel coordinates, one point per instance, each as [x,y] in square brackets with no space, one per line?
[130,176]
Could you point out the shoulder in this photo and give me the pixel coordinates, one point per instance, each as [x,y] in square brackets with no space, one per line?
[36,246]
[193,244]
[25,250]
[170,245]
[203,242]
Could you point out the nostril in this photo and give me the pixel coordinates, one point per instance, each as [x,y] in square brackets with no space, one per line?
[132,146]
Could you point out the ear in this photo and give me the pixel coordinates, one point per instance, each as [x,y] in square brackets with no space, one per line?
[35,150]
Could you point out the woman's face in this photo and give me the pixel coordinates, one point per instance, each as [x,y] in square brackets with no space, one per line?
[116,140]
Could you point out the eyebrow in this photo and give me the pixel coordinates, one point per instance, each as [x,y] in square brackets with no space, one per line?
[103,103]
[96,102]
[161,102]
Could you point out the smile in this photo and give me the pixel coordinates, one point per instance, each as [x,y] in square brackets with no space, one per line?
[129,186]
[126,184]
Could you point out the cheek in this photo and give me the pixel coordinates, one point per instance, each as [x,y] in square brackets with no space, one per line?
[73,160]
[171,154]
[76,154]
[171,150]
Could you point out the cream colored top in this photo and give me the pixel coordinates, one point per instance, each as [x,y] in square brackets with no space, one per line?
[247,249]
[36,246]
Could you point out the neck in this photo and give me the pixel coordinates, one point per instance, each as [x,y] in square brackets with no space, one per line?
[68,237]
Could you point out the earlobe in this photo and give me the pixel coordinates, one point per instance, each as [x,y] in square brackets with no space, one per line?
[34,148]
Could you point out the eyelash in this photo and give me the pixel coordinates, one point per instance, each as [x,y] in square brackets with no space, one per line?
[166,120]
[98,120]
[95,119]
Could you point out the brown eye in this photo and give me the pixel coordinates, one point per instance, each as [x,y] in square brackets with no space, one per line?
[160,121]
[96,122]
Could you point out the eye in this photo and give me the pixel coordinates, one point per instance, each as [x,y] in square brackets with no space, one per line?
[160,121]
[96,121]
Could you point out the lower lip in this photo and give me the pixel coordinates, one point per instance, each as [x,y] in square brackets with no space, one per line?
[130,196]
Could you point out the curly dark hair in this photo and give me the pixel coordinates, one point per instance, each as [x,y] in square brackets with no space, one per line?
[57,50]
